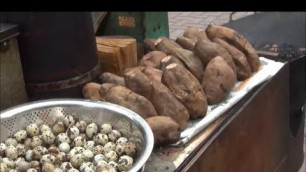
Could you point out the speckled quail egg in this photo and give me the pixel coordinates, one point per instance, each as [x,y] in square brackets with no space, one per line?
[99,149]
[23,166]
[73,132]
[87,169]
[32,170]
[39,151]
[58,170]
[100,139]
[130,148]
[125,163]
[110,146]
[11,141]
[73,170]
[53,150]
[11,152]
[83,135]
[2,149]
[35,164]
[29,155]
[121,140]
[10,163]
[111,156]
[91,130]
[27,143]
[86,165]
[99,163]
[79,141]
[58,127]
[77,160]
[114,135]
[44,127]
[13,170]
[98,158]
[120,149]
[18,160]
[88,155]
[105,168]
[65,166]
[1,158]
[47,158]
[3,167]
[76,150]
[62,137]
[63,157]
[36,141]
[48,137]
[20,135]
[21,150]
[64,147]
[106,128]
[32,130]
[113,164]
[47,167]
[89,145]
[69,120]
[81,126]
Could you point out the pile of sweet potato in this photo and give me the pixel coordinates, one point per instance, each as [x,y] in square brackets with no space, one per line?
[176,80]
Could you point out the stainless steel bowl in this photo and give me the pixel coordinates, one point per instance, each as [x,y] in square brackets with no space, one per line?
[126,121]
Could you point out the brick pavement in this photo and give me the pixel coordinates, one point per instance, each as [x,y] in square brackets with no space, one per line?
[180,21]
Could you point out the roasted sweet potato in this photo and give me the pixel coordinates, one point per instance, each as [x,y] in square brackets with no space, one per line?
[91,91]
[218,80]
[149,44]
[168,60]
[152,73]
[186,43]
[208,50]
[186,88]
[160,96]
[195,34]
[125,97]
[241,62]
[191,61]
[165,129]
[237,40]
[152,59]
[107,77]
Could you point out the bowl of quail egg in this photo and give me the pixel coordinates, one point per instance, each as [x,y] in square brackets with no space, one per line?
[71,135]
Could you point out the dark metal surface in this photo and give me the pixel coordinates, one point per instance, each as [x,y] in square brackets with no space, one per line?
[54,46]
[7,31]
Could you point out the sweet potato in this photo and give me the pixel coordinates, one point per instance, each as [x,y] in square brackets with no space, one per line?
[208,50]
[242,65]
[149,44]
[160,96]
[186,88]
[125,97]
[237,40]
[165,130]
[152,73]
[91,91]
[168,60]
[152,59]
[218,80]
[186,43]
[191,61]
[195,34]
[107,77]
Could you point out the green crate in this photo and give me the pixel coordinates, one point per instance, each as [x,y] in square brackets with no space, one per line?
[139,25]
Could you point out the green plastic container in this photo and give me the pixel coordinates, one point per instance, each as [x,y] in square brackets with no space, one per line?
[139,25]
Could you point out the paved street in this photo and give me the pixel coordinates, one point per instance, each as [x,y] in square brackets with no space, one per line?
[180,21]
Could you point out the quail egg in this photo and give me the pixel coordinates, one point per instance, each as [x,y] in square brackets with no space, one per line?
[130,148]
[48,158]
[36,141]
[86,165]
[20,135]
[89,145]
[77,160]
[70,121]
[64,147]
[114,135]
[110,146]
[91,130]
[23,166]
[48,167]
[73,132]
[21,150]
[2,149]
[62,137]
[44,127]
[32,130]
[79,141]
[81,126]
[48,137]
[88,155]
[32,170]
[121,140]
[27,143]
[29,155]
[59,127]
[65,166]
[100,139]
[8,162]
[113,164]
[120,149]
[111,156]
[35,164]
[11,141]
[105,168]
[100,163]
[125,163]
[98,149]
[3,167]
[105,128]
[58,170]
[53,150]
[73,170]
[38,152]
[98,158]
[11,152]
[63,157]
